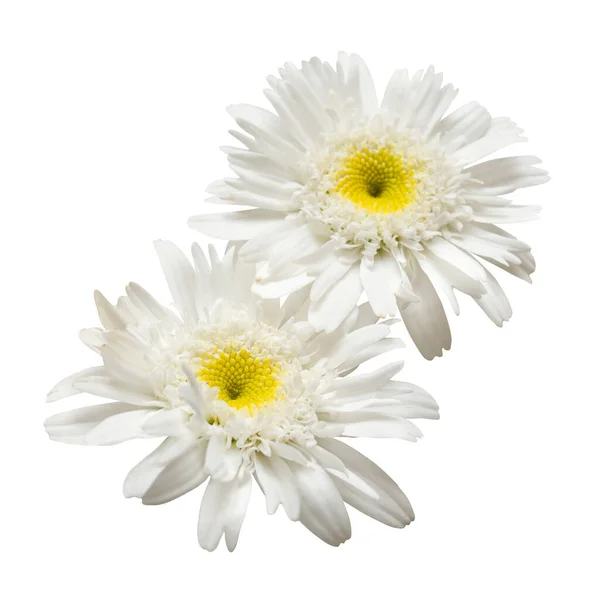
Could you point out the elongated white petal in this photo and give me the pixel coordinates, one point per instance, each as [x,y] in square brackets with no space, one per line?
[328,278]
[505,175]
[371,424]
[426,320]
[277,483]
[180,277]
[143,475]
[295,306]
[376,349]
[329,311]
[145,303]
[322,510]
[241,225]
[447,275]
[501,133]
[381,280]
[192,394]
[181,475]
[67,387]
[92,337]
[275,288]
[463,125]
[391,507]
[356,341]
[366,382]
[494,302]
[511,213]
[167,421]
[131,375]
[100,425]
[105,387]
[302,242]
[456,257]
[222,512]
[222,463]
[360,82]
[256,248]
[108,314]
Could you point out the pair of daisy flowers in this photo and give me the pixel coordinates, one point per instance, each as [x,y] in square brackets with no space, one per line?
[346,195]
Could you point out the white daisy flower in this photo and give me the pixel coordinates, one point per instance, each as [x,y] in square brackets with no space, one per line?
[350,194]
[244,387]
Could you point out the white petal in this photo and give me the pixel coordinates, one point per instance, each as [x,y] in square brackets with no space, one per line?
[214,452]
[356,341]
[67,386]
[92,337]
[501,133]
[146,303]
[203,275]
[295,305]
[108,314]
[180,276]
[328,278]
[222,511]
[505,175]
[265,128]
[180,476]
[394,399]
[303,241]
[426,320]
[381,280]
[511,213]
[489,241]
[392,506]
[494,302]
[522,270]
[100,425]
[192,393]
[256,249]
[131,376]
[277,483]
[456,257]
[374,350]
[367,382]
[397,93]
[406,400]
[448,276]
[371,424]
[360,82]
[222,463]
[289,453]
[336,304]
[464,125]
[240,225]
[365,316]
[167,421]
[105,387]
[281,287]
[259,117]
[142,476]
[435,109]
[323,511]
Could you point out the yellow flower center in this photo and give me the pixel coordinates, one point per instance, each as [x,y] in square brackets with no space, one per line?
[243,380]
[378,180]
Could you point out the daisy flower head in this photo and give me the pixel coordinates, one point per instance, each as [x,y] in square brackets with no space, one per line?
[242,387]
[349,194]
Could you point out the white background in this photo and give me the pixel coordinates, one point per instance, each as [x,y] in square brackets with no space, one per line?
[111,115]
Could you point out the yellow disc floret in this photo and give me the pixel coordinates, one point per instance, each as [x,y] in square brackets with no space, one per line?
[243,380]
[378,180]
